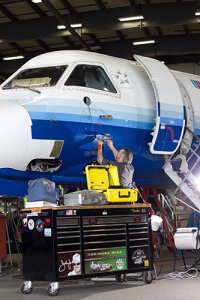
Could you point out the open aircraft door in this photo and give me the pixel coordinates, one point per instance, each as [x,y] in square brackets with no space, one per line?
[170,118]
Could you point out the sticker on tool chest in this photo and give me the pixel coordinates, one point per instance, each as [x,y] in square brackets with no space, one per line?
[69,264]
[111,264]
[31,224]
[39,225]
[102,254]
[138,257]
[47,221]
[25,221]
[47,232]
[61,213]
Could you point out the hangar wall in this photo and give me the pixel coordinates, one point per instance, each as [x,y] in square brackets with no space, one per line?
[191,68]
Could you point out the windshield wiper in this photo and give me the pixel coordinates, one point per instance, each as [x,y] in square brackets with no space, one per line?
[28,88]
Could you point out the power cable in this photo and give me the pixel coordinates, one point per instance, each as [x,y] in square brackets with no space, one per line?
[181,275]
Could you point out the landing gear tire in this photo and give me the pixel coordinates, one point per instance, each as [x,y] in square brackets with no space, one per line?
[120,277]
[53,289]
[147,277]
[26,287]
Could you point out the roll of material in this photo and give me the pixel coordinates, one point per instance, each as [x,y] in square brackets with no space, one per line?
[186,238]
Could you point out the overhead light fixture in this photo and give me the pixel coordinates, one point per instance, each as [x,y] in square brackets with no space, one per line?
[61,27]
[13,57]
[78,25]
[131,19]
[144,42]
[197,13]
[36,1]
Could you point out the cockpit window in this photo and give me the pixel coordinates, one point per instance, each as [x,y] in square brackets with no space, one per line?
[37,77]
[92,77]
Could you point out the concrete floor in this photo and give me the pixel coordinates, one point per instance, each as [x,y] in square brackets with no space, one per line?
[160,288]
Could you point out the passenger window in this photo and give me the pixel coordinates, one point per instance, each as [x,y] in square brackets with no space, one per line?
[92,77]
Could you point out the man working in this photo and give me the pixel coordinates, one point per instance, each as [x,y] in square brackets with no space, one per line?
[123,162]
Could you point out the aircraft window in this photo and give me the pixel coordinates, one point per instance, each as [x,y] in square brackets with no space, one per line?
[91,77]
[37,77]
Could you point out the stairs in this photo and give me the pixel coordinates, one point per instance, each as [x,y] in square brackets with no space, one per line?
[184,179]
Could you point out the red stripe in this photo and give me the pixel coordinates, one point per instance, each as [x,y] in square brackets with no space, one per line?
[171,132]
[198,83]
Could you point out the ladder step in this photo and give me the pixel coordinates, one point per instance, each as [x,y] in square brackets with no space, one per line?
[180,183]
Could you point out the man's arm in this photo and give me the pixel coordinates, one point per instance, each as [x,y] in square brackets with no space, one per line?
[99,152]
[110,145]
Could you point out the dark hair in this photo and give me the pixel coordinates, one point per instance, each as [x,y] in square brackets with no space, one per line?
[127,155]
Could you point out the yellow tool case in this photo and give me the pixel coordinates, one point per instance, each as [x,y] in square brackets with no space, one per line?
[106,179]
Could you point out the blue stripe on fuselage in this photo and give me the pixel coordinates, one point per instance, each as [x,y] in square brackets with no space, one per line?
[65,117]
[132,117]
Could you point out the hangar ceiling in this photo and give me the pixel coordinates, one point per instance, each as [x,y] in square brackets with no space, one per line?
[28,29]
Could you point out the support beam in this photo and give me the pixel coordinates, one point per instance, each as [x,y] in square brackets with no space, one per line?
[18,48]
[63,21]
[100,4]
[120,35]
[68,41]
[7,13]
[36,8]
[43,45]
[68,6]
[156,15]
[94,38]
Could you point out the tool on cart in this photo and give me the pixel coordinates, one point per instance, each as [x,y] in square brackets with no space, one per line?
[84,197]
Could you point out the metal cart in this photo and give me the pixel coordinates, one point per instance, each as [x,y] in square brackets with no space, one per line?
[66,243]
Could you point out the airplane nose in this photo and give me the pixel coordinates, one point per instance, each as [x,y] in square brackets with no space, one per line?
[15,132]
[17,146]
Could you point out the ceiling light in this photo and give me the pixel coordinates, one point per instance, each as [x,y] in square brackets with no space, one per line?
[144,42]
[197,13]
[76,25]
[72,25]
[13,57]
[36,1]
[61,27]
[131,19]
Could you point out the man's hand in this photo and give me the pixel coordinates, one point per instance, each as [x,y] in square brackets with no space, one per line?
[99,152]
[100,142]
[110,144]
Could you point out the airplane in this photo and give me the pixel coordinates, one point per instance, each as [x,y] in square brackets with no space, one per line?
[54,108]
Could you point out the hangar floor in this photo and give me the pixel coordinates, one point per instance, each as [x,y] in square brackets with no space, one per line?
[162,287]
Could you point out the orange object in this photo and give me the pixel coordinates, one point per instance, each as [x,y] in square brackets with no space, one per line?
[3,252]
[99,146]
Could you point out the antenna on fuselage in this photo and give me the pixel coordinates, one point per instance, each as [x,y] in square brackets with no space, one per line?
[87,101]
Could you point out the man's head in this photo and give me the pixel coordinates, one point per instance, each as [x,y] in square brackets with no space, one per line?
[125,156]
[76,262]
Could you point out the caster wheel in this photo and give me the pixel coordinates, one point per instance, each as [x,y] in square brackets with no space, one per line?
[147,277]
[26,288]
[53,289]
[120,277]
